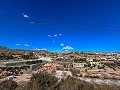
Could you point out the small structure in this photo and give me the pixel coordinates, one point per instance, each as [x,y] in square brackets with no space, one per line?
[10,77]
[78,65]
[62,74]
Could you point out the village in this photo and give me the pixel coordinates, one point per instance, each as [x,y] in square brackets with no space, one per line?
[75,64]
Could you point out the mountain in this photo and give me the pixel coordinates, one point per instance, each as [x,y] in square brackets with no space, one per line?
[8,51]
[4,48]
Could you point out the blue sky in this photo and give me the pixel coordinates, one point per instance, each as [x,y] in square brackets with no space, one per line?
[60,25]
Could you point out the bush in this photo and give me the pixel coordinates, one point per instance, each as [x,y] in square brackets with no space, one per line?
[81,60]
[75,71]
[42,81]
[8,85]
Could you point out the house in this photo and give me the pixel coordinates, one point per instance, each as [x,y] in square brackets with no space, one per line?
[78,65]
[95,63]
[48,59]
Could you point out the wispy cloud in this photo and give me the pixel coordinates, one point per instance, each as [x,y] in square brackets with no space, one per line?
[27,45]
[40,49]
[43,49]
[25,16]
[17,44]
[49,35]
[31,22]
[68,48]
[61,44]
[37,49]
[60,34]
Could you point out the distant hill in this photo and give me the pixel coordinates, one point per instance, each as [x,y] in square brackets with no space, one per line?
[8,51]
[4,48]
[6,54]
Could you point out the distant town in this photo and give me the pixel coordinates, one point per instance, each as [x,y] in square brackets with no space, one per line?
[19,65]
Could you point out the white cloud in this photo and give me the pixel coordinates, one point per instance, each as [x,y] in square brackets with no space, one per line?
[25,16]
[40,49]
[27,45]
[68,48]
[60,34]
[55,35]
[62,44]
[17,44]
[49,35]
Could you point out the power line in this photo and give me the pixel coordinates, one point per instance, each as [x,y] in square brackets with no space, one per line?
[70,26]
[104,26]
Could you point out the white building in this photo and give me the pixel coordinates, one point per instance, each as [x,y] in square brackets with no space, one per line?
[62,74]
[45,59]
[79,65]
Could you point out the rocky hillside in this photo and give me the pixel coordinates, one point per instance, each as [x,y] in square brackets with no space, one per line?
[3,49]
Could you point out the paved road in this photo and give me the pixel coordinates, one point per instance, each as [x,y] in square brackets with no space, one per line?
[39,66]
[100,81]
[3,63]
